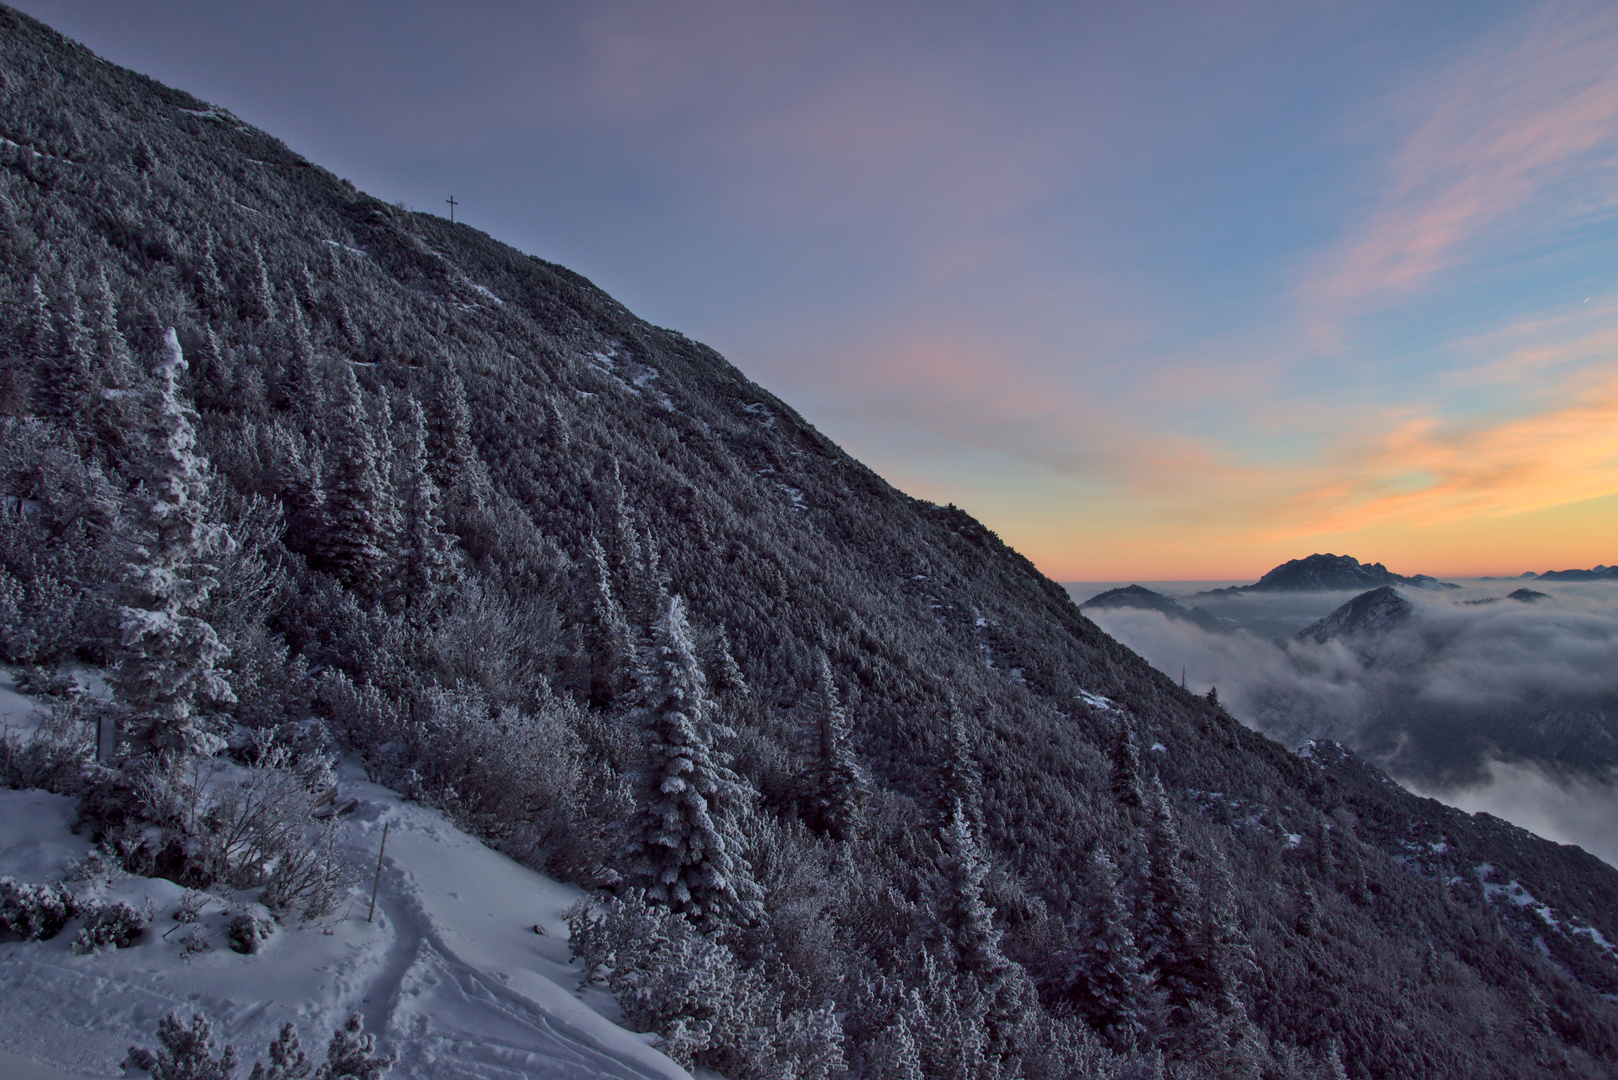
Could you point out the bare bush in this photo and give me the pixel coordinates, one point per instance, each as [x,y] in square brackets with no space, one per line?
[53,755]
[252,827]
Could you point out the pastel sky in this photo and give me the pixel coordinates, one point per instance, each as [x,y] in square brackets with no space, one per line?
[1162,290]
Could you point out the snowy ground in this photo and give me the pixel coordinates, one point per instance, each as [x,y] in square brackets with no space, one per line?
[451,973]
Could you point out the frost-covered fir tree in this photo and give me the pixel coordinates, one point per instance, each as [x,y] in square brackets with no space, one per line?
[960,785]
[968,920]
[608,661]
[65,386]
[39,337]
[113,358]
[166,672]
[1000,996]
[184,1052]
[724,673]
[259,298]
[1171,945]
[422,554]
[686,851]
[351,545]
[1100,971]
[457,470]
[301,380]
[1126,766]
[351,1054]
[117,411]
[838,787]
[210,289]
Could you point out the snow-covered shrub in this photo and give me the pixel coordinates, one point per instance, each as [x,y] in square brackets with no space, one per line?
[191,905]
[690,989]
[193,942]
[117,924]
[287,1059]
[310,877]
[53,755]
[252,827]
[510,775]
[35,912]
[351,1055]
[667,976]
[55,510]
[184,1052]
[46,682]
[246,931]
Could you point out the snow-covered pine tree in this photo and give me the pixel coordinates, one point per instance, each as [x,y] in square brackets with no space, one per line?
[210,289]
[1171,948]
[422,556]
[960,784]
[389,519]
[1000,989]
[259,298]
[165,670]
[300,483]
[117,409]
[1309,911]
[724,673]
[686,850]
[350,544]
[301,381]
[607,661]
[1321,841]
[838,788]
[967,919]
[209,363]
[1100,970]
[449,442]
[65,385]
[117,364]
[1126,766]
[895,1054]
[39,335]
[185,1052]
[351,1054]
[287,1058]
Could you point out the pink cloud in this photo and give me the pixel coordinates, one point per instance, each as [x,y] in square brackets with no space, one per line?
[1504,140]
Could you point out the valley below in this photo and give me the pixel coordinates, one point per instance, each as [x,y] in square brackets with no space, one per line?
[1498,695]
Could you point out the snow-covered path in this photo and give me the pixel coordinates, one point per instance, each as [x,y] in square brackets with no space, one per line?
[451,973]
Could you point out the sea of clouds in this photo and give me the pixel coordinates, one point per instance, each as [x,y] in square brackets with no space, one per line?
[1502,706]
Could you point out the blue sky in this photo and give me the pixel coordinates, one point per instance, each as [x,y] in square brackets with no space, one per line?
[1156,291]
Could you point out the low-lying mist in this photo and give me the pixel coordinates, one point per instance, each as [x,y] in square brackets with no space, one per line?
[1485,702]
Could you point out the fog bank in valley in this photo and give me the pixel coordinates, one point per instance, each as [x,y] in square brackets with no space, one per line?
[1485,702]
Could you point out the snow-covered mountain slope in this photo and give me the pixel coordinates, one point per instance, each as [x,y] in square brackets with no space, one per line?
[451,973]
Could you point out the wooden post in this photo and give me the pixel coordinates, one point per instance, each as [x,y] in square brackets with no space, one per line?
[452,205]
[377,880]
[106,736]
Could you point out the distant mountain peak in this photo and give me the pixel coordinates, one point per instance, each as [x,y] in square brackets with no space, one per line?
[1368,615]
[1598,572]
[1144,599]
[1333,573]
